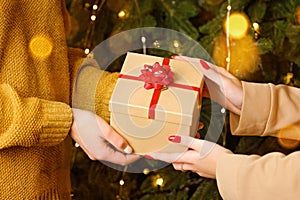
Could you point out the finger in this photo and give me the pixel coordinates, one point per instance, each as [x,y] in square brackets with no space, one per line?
[113,137]
[187,141]
[202,147]
[190,167]
[111,155]
[209,70]
[183,166]
[200,125]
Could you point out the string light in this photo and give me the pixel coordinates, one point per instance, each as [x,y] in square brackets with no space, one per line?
[223,110]
[256,27]
[122,14]
[159,182]
[87,51]
[146,171]
[122,182]
[93,17]
[95,7]
[143,39]
[76,145]
[156,44]
[227,36]
[176,43]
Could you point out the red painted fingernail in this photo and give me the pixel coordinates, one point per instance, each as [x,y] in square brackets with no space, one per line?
[200,125]
[148,157]
[204,64]
[175,138]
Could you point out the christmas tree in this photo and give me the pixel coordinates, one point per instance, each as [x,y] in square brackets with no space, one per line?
[255,40]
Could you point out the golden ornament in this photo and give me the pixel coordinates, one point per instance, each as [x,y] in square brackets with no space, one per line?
[244,55]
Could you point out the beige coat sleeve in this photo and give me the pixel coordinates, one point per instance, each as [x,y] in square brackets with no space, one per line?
[268,110]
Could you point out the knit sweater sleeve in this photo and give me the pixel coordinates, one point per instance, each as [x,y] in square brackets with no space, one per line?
[31,121]
[91,86]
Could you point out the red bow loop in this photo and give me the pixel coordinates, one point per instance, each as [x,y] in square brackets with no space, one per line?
[156,76]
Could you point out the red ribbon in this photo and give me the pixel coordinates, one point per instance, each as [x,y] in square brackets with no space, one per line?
[157,77]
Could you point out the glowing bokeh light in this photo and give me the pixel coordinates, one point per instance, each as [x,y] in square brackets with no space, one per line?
[87,51]
[95,7]
[293,133]
[256,26]
[121,182]
[146,171]
[159,181]
[93,17]
[238,25]
[122,14]
[40,46]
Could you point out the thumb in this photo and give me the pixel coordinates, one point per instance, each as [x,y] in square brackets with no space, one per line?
[113,137]
[119,142]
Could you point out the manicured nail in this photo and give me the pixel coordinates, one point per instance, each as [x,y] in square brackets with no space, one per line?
[204,64]
[148,157]
[175,138]
[200,125]
[128,150]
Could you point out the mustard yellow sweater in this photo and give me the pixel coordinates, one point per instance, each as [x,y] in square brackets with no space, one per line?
[36,73]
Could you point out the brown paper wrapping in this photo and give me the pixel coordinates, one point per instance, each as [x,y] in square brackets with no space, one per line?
[176,113]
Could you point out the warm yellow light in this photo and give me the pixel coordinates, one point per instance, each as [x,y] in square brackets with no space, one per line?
[236,25]
[76,144]
[95,7]
[40,46]
[122,14]
[159,181]
[93,17]
[86,51]
[291,132]
[146,171]
[122,182]
[255,26]
[176,43]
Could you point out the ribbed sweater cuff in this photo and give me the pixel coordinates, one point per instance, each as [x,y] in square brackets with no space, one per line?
[56,122]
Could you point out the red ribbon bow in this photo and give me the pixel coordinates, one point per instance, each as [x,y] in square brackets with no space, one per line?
[158,77]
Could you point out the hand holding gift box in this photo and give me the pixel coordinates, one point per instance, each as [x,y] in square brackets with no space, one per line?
[154,98]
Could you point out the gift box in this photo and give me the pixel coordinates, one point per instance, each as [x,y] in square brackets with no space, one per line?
[154,98]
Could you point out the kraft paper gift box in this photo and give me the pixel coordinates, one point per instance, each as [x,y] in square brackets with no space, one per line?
[154,98]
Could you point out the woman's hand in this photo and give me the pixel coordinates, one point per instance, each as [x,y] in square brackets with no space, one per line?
[98,140]
[221,86]
[201,156]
